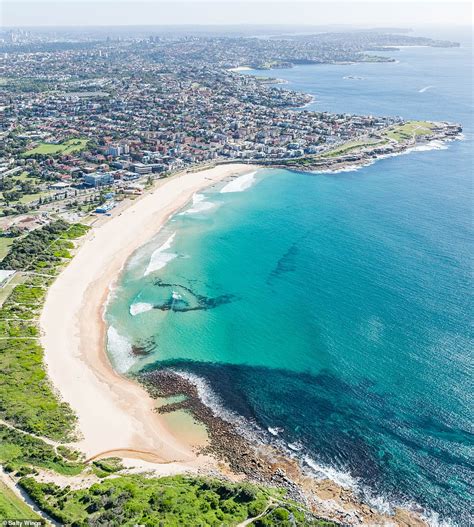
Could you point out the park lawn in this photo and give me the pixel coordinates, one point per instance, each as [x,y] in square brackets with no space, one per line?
[28,198]
[12,507]
[409,130]
[351,145]
[67,147]
[4,246]
[23,176]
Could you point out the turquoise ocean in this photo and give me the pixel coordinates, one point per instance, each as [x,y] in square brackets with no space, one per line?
[333,311]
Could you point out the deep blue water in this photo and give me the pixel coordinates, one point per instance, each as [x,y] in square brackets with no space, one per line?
[336,307]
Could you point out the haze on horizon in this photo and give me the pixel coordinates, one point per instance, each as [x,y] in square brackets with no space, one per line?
[34,13]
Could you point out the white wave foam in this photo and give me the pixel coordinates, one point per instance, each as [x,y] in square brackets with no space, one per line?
[240,184]
[140,307]
[199,205]
[432,145]
[341,478]
[275,431]
[344,479]
[295,446]
[120,350]
[214,403]
[433,520]
[436,144]
[160,257]
[426,88]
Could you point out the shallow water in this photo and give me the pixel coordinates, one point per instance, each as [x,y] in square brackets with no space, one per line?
[334,309]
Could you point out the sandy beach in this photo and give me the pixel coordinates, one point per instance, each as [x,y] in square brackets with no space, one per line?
[115,415]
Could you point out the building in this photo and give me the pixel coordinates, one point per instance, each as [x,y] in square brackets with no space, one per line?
[98,179]
[114,151]
[141,169]
[105,208]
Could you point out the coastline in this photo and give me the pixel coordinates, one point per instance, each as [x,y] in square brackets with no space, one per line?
[114,413]
[124,421]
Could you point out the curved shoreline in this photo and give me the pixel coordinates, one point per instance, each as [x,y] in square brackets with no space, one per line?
[114,413]
[118,415]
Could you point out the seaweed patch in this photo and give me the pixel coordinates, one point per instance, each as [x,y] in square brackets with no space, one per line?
[183,299]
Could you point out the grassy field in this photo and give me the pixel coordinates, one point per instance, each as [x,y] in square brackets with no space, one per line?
[12,507]
[409,130]
[5,244]
[350,146]
[29,198]
[67,147]
[24,176]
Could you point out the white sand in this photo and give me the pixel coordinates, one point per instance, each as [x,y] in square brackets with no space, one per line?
[114,413]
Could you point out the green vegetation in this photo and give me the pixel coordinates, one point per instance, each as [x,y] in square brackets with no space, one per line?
[287,517]
[409,130]
[43,249]
[26,399]
[104,467]
[50,149]
[22,453]
[34,413]
[170,501]
[12,507]
[5,244]
[19,191]
[352,145]
[26,84]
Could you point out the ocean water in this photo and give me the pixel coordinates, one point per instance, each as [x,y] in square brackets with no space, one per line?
[334,310]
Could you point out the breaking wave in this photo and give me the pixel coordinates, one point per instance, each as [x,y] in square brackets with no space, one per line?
[199,204]
[344,479]
[120,350]
[240,184]
[160,257]
[436,144]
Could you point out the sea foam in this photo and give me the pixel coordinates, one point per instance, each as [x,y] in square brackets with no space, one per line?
[343,479]
[240,184]
[435,144]
[208,397]
[199,204]
[140,307]
[161,257]
[120,350]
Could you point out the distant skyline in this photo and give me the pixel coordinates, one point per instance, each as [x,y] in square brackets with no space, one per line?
[404,13]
